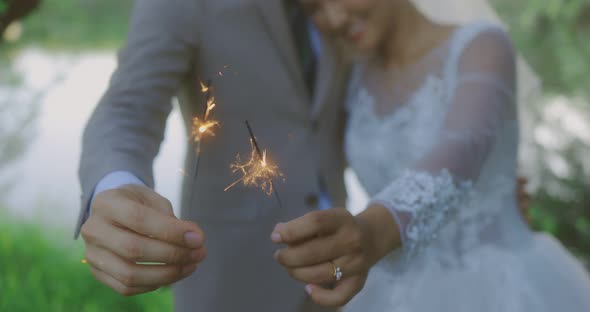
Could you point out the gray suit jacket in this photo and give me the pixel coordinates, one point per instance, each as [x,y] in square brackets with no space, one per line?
[172,44]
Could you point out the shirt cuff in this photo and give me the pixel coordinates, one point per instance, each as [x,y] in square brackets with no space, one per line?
[114,180]
[325,202]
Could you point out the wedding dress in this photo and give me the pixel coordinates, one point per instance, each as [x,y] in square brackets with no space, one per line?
[441,155]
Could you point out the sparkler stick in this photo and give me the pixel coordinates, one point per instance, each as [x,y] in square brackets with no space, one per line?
[203,127]
[205,89]
[263,157]
[253,138]
[257,171]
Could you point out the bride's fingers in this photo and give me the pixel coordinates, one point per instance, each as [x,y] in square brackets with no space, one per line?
[344,291]
[319,274]
[323,273]
[319,250]
[309,226]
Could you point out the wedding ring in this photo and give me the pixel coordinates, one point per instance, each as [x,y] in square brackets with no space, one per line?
[337,271]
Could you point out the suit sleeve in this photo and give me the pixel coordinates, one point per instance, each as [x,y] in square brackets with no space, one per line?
[125,130]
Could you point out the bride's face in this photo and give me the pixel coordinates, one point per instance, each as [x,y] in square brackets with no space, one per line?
[362,24]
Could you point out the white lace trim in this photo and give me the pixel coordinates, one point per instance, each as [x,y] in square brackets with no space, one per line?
[428,199]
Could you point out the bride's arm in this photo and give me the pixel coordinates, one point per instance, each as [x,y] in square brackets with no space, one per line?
[421,198]
[323,247]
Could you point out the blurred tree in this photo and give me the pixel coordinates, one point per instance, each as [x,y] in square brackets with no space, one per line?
[12,10]
[16,121]
[17,125]
[78,24]
[562,203]
[554,36]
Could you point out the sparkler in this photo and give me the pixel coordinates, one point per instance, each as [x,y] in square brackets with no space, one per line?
[204,127]
[257,171]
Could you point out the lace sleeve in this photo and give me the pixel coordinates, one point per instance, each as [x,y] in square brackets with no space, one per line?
[422,198]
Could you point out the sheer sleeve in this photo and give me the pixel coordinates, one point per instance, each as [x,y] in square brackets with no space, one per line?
[422,198]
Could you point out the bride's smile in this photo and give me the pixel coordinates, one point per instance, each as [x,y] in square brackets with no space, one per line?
[360,24]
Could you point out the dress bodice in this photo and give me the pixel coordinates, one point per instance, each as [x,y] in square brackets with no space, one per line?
[443,163]
[379,148]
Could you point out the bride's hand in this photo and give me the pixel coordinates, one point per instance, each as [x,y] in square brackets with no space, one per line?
[320,242]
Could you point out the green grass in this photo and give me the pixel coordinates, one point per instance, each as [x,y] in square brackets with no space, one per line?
[41,270]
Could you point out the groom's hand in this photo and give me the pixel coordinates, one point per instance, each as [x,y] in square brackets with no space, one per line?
[319,242]
[132,225]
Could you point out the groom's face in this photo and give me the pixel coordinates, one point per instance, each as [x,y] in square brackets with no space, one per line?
[363,24]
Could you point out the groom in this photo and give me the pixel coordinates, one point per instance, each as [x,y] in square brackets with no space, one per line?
[267,66]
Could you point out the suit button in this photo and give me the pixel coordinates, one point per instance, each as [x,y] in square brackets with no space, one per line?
[315,126]
[312,201]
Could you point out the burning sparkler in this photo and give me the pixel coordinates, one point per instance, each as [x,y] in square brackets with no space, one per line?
[203,127]
[257,171]
[204,87]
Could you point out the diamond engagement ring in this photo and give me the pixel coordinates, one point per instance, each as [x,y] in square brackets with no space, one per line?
[337,271]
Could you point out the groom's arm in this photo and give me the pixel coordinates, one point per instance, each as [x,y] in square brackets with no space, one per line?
[127,127]
[131,224]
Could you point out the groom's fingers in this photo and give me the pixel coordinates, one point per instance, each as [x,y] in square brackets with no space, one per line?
[141,219]
[143,211]
[339,296]
[137,248]
[308,226]
[118,286]
[136,275]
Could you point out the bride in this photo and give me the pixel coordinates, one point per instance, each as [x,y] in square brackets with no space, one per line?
[432,135]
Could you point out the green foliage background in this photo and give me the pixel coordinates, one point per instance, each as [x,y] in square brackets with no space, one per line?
[554,37]
[40,273]
[43,272]
[77,24]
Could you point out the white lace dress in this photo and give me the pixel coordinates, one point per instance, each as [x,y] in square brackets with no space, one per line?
[443,159]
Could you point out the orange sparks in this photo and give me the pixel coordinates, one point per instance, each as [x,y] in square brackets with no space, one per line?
[204,88]
[210,106]
[205,126]
[256,172]
[202,128]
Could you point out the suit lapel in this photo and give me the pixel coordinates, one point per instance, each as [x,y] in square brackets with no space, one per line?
[275,17]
